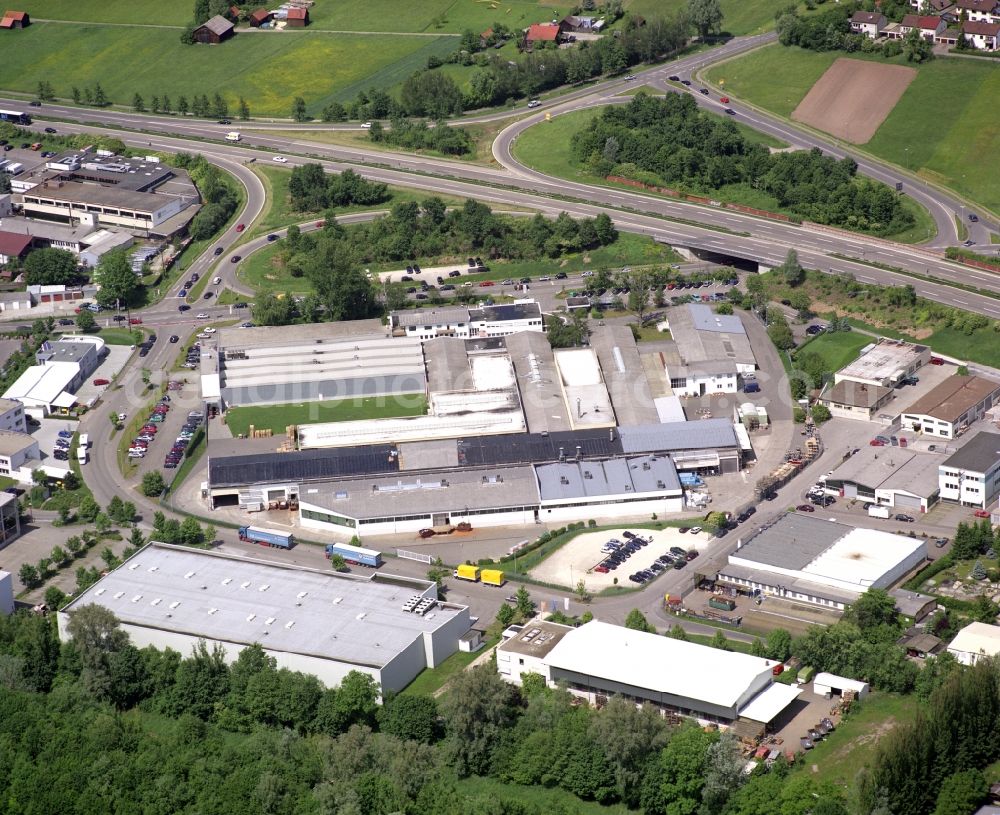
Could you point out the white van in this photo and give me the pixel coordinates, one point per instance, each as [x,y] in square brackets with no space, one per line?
[232,135]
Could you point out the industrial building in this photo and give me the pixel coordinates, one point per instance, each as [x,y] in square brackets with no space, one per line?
[94,189]
[885,363]
[819,562]
[599,660]
[890,476]
[487,480]
[459,321]
[309,363]
[848,399]
[971,475]
[48,388]
[712,351]
[319,622]
[948,409]
[974,642]
[16,450]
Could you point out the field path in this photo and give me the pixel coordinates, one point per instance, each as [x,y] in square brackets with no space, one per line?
[109,25]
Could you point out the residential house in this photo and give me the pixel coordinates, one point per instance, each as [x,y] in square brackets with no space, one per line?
[943,8]
[573,24]
[929,25]
[542,33]
[297,18]
[259,17]
[13,246]
[974,642]
[234,13]
[15,19]
[855,400]
[214,31]
[981,35]
[979,11]
[869,23]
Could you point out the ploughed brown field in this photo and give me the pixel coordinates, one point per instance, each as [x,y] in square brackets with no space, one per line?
[853,97]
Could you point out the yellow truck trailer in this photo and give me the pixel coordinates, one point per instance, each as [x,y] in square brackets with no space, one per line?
[467,572]
[492,577]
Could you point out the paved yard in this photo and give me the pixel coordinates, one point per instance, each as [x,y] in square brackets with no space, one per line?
[576,560]
[109,368]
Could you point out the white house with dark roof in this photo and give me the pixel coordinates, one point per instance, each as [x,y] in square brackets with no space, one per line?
[869,23]
[981,35]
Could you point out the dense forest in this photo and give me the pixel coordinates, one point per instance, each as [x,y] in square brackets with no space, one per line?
[99,726]
[670,141]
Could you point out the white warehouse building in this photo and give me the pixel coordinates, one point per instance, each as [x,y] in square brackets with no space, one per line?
[598,660]
[319,622]
[820,562]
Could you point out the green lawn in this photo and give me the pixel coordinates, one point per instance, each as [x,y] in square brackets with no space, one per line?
[278,417]
[118,336]
[738,16]
[261,272]
[267,70]
[945,148]
[840,757]
[144,12]
[431,16]
[838,348]
[430,680]
[546,799]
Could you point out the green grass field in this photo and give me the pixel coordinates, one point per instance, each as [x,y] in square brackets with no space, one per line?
[267,70]
[141,12]
[837,349]
[278,417]
[940,128]
[840,757]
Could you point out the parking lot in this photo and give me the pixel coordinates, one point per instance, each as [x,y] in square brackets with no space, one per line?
[46,433]
[183,399]
[577,559]
[110,367]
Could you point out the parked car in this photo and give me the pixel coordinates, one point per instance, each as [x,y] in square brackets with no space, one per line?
[695,530]
[805,508]
[981,513]
[101,382]
[937,361]
[907,519]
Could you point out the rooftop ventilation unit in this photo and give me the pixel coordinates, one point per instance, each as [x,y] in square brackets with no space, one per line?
[133,567]
[154,568]
[119,595]
[301,594]
[227,581]
[189,575]
[361,616]
[269,621]
[99,592]
[213,611]
[156,602]
[290,623]
[251,618]
[175,604]
[264,587]
[137,598]
[245,584]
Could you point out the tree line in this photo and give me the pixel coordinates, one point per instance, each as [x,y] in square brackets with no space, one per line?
[218,195]
[333,258]
[97,725]
[670,141]
[419,135]
[830,30]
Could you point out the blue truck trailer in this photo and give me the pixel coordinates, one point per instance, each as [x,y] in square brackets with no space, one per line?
[266,537]
[354,554]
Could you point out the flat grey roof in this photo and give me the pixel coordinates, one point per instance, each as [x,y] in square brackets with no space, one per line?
[286,608]
[897,468]
[426,493]
[977,455]
[447,365]
[910,603]
[431,316]
[278,335]
[624,375]
[47,230]
[59,351]
[883,362]
[590,479]
[505,311]
[700,339]
[9,404]
[535,638]
[704,319]
[538,381]
[793,541]
[115,197]
[12,442]
[695,435]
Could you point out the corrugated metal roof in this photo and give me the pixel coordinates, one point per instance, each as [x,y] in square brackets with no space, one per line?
[588,479]
[793,541]
[655,438]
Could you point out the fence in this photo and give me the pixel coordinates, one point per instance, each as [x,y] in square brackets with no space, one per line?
[418,556]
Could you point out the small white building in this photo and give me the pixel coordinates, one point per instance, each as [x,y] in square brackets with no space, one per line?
[457,321]
[319,622]
[16,449]
[48,387]
[947,409]
[971,476]
[827,684]
[12,416]
[713,351]
[974,642]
